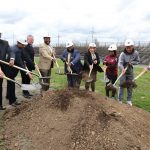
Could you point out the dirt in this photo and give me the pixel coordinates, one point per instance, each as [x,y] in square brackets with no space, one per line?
[76,120]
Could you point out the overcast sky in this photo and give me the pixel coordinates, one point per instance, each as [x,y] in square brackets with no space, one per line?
[108,20]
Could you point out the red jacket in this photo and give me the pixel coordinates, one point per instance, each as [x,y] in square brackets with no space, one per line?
[111,62]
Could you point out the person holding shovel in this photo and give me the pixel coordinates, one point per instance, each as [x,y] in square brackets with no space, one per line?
[127,59]
[111,62]
[28,56]
[46,59]
[4,52]
[13,72]
[72,65]
[91,66]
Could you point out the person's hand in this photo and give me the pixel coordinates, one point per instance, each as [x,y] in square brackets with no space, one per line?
[146,69]
[123,71]
[30,76]
[1,74]
[54,59]
[129,63]
[104,62]
[95,61]
[11,62]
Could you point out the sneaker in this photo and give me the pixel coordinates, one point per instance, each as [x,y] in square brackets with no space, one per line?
[129,103]
[120,101]
[2,108]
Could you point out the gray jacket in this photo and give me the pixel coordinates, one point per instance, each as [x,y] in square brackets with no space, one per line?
[125,58]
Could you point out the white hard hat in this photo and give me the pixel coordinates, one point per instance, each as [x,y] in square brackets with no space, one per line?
[92,45]
[23,42]
[128,42]
[69,44]
[46,36]
[112,47]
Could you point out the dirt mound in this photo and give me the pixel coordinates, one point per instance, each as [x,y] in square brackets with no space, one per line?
[76,120]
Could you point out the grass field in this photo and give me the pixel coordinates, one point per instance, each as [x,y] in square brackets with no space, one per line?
[141,94]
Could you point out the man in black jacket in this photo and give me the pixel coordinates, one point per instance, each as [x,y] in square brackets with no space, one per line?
[12,72]
[5,52]
[28,56]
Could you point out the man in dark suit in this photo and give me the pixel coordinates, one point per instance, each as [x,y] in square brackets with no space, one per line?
[28,56]
[12,72]
[5,52]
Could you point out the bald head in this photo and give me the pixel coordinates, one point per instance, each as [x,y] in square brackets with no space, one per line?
[30,39]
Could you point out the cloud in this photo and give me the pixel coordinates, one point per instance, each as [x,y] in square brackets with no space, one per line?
[78,20]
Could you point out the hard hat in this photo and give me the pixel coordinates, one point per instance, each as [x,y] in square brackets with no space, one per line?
[129,42]
[46,36]
[92,45]
[23,42]
[112,47]
[69,44]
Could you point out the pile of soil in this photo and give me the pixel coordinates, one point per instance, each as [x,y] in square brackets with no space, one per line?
[76,120]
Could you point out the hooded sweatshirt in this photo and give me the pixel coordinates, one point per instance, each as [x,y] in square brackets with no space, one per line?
[125,58]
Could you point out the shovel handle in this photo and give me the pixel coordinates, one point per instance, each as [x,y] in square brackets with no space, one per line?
[120,76]
[37,68]
[143,72]
[17,67]
[90,71]
[9,79]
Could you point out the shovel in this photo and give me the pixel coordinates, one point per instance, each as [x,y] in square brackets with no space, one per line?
[25,70]
[17,67]
[89,76]
[111,86]
[58,67]
[30,87]
[105,79]
[132,83]
[40,76]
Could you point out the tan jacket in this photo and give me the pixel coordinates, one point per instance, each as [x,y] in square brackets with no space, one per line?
[45,56]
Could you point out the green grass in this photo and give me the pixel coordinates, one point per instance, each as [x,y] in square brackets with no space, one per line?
[141,94]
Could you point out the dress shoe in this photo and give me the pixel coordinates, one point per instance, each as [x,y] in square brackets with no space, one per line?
[8,97]
[30,94]
[2,108]
[16,103]
[26,96]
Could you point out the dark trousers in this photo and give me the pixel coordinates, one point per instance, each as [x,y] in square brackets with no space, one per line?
[112,80]
[10,94]
[3,68]
[73,81]
[87,86]
[25,80]
[46,81]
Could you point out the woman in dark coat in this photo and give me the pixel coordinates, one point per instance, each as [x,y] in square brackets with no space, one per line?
[91,62]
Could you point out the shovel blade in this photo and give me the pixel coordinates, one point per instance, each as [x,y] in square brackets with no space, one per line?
[30,87]
[89,80]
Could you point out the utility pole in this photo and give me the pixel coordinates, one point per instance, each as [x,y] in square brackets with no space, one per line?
[58,39]
[13,38]
[92,34]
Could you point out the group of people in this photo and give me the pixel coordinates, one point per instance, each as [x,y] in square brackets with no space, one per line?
[124,63]
[22,55]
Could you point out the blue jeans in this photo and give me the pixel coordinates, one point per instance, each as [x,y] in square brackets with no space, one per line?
[129,89]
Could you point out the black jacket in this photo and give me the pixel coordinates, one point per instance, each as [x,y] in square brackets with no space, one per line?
[88,61]
[28,56]
[5,51]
